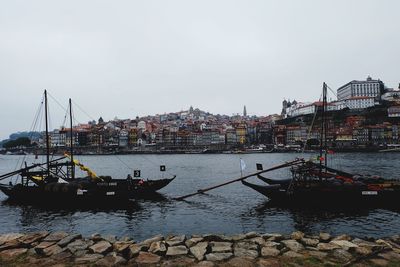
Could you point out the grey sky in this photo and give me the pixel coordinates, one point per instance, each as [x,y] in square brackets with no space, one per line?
[128,58]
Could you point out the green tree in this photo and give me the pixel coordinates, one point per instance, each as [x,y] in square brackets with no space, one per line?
[22,141]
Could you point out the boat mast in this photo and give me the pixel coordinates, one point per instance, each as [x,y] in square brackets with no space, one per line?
[325,104]
[323,142]
[47,134]
[321,138]
[72,141]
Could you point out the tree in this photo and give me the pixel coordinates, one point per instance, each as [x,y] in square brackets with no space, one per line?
[22,141]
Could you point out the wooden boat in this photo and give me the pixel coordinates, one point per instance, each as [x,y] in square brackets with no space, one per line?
[316,184]
[332,189]
[55,181]
[85,190]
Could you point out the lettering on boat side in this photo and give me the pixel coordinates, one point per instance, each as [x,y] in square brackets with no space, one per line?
[107,184]
[369,193]
[80,192]
[110,193]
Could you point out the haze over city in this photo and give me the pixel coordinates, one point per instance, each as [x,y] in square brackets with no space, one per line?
[131,59]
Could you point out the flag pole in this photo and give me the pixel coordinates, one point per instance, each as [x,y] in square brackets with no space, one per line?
[240,165]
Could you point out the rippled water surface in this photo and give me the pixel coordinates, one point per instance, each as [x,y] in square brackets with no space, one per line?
[230,209]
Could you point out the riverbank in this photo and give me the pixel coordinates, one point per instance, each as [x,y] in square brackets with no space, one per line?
[120,151]
[251,249]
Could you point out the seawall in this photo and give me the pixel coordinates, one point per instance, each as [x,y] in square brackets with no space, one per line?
[250,249]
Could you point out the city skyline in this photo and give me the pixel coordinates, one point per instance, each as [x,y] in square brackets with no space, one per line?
[137,59]
[88,118]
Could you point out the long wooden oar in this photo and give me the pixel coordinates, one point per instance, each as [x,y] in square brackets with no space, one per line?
[200,191]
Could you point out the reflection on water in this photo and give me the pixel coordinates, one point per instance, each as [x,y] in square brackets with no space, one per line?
[362,221]
[230,209]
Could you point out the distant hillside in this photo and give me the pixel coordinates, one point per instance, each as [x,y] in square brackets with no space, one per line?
[15,136]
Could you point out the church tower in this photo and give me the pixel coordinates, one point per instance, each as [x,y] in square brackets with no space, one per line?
[285,105]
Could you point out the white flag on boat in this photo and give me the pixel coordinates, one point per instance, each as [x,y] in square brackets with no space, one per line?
[62,181]
[242,165]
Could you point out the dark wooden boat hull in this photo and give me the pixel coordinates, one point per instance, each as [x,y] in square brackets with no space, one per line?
[266,180]
[328,196]
[67,194]
[84,191]
[148,188]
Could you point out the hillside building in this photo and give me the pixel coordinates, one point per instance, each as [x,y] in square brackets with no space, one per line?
[367,88]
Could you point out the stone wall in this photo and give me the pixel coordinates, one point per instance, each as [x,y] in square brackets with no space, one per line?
[251,249]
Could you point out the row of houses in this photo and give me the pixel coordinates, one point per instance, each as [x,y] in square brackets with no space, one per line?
[352,131]
[362,136]
[191,128]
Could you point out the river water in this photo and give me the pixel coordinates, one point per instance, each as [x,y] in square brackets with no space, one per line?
[226,210]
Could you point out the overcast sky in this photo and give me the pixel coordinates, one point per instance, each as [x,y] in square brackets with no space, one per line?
[129,58]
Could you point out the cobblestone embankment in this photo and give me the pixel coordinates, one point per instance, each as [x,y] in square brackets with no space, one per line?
[242,250]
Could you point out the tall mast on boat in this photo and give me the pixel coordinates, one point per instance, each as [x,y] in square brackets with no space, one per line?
[72,141]
[323,143]
[325,107]
[47,134]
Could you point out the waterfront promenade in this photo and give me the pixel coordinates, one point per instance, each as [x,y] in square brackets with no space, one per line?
[250,249]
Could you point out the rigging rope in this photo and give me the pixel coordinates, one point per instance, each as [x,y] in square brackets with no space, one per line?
[21,160]
[65,119]
[149,159]
[50,127]
[334,159]
[337,160]
[311,126]
[119,159]
[81,109]
[330,89]
[123,163]
[63,107]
